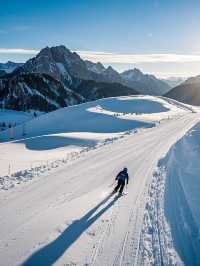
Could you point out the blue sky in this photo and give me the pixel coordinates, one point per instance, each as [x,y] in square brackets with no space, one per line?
[119,27]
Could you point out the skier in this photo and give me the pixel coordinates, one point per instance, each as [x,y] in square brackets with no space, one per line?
[122,177]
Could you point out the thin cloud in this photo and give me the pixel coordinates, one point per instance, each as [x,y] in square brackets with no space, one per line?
[114,58]
[18,51]
[137,58]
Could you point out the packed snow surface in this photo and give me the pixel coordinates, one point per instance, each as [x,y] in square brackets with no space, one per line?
[171,228]
[56,207]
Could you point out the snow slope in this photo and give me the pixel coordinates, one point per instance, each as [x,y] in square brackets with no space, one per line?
[65,216]
[12,117]
[60,133]
[57,135]
[171,228]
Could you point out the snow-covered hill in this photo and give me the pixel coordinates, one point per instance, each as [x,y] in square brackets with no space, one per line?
[55,182]
[56,135]
[14,117]
[10,118]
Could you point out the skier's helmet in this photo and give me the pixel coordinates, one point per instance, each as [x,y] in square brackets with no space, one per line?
[125,169]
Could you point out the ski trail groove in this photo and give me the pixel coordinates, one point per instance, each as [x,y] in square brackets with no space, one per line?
[105,233]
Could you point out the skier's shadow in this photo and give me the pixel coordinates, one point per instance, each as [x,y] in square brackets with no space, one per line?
[50,253]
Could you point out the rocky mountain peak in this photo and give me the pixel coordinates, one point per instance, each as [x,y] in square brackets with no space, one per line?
[111,70]
[97,68]
[58,62]
[132,74]
[59,54]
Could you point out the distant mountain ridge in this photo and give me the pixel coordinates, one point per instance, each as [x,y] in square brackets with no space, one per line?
[9,66]
[174,81]
[187,92]
[92,90]
[145,83]
[78,81]
[134,78]
[64,65]
[53,79]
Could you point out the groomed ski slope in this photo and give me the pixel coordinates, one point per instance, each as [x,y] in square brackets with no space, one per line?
[66,216]
[171,226]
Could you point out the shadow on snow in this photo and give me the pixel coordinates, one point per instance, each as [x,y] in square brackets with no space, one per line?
[49,142]
[50,253]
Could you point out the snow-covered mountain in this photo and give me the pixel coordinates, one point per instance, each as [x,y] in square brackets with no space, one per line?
[174,81]
[111,75]
[35,91]
[26,91]
[65,66]
[144,83]
[58,62]
[68,71]
[95,67]
[133,78]
[102,74]
[9,66]
[54,77]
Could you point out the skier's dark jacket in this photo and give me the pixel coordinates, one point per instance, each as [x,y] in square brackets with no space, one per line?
[123,176]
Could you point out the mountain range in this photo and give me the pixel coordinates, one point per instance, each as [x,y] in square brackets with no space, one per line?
[174,81]
[9,67]
[35,91]
[144,83]
[187,92]
[57,77]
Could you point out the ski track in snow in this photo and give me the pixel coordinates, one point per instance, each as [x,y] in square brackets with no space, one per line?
[170,234]
[64,219]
